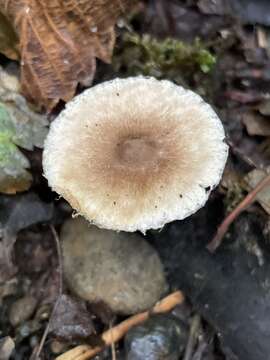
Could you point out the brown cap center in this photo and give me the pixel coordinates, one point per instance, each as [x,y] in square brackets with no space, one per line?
[138,152]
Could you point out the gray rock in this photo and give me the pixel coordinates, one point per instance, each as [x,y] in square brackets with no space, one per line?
[161,337]
[119,269]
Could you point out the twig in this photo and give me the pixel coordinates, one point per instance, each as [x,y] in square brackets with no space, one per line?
[36,354]
[193,334]
[223,227]
[200,351]
[85,352]
[113,346]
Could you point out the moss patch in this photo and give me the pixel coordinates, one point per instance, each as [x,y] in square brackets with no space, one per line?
[168,58]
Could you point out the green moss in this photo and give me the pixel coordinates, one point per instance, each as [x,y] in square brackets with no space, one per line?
[169,58]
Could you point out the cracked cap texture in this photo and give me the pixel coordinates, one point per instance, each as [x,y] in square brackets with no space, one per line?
[134,154]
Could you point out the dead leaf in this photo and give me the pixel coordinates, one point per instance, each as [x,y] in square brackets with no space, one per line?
[247,11]
[264,107]
[71,321]
[256,124]
[17,213]
[19,126]
[8,39]
[218,7]
[21,211]
[252,179]
[60,41]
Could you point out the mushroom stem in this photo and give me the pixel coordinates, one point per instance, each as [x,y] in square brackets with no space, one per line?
[248,200]
[85,352]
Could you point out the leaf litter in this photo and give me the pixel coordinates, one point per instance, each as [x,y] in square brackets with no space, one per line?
[17,213]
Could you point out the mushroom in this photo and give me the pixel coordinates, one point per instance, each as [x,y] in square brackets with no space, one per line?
[134,154]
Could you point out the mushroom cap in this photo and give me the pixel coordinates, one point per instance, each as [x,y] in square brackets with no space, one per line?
[134,154]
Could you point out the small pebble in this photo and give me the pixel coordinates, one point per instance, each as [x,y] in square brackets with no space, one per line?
[7,346]
[162,337]
[58,347]
[119,269]
[34,340]
[21,310]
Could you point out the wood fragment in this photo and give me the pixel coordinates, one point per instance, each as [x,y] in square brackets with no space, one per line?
[223,227]
[85,352]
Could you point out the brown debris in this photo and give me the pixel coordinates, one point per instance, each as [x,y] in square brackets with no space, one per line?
[59,43]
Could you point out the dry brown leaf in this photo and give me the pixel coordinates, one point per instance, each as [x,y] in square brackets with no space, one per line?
[252,179]
[256,124]
[60,41]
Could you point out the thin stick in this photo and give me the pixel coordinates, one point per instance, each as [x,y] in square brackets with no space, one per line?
[35,355]
[85,352]
[113,346]
[193,334]
[223,227]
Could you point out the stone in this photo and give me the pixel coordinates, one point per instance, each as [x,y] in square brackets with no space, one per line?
[116,268]
[7,346]
[158,338]
[22,309]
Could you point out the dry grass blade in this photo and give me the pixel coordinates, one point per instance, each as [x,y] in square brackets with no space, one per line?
[85,352]
[60,41]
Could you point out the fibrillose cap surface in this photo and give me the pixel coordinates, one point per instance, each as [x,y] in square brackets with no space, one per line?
[134,154]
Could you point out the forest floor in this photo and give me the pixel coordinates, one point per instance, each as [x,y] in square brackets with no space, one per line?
[221,52]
